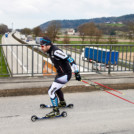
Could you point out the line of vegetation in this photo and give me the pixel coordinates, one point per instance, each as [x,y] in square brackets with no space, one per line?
[120,48]
[87,42]
[118,25]
[3,67]
[95,33]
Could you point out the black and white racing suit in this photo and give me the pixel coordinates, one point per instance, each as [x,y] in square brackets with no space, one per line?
[62,62]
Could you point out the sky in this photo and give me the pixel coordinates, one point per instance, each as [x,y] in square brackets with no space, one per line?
[18,14]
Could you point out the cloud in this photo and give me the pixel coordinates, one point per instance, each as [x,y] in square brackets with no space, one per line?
[32,13]
[1,12]
[18,7]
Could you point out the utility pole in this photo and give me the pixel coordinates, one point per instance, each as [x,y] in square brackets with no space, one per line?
[12,26]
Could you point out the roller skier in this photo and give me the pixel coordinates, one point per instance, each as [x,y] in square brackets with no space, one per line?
[62,62]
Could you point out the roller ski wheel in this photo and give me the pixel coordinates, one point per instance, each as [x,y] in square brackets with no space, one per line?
[64,114]
[42,106]
[70,105]
[34,118]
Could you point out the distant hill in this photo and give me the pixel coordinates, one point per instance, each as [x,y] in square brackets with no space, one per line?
[75,23]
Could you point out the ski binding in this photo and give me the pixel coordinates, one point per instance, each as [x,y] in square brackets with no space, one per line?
[50,106]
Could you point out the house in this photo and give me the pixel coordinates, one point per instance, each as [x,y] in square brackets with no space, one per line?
[69,31]
[120,23]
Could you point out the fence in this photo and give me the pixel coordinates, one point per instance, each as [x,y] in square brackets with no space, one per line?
[29,60]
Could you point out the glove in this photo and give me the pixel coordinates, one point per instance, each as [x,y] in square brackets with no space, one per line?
[77,76]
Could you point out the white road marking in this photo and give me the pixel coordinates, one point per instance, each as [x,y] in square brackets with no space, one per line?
[19,61]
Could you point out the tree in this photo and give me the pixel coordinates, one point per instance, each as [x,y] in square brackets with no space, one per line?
[53,30]
[83,31]
[36,31]
[112,39]
[130,30]
[91,31]
[26,31]
[3,28]
[66,39]
[98,34]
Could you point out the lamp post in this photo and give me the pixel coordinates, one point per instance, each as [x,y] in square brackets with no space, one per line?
[12,26]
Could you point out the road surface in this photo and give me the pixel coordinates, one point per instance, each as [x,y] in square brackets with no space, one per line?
[93,113]
[19,58]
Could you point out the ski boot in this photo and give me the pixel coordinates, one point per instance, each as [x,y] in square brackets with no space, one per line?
[54,113]
[62,104]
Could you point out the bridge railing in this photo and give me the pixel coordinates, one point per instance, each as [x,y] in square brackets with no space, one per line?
[29,60]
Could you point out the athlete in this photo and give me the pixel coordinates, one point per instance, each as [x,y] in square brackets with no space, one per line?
[62,62]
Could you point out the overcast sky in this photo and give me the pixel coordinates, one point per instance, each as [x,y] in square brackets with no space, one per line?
[31,13]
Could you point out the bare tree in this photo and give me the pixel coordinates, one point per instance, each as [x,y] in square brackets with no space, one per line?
[83,32]
[53,30]
[130,36]
[26,31]
[36,31]
[3,28]
[91,31]
[66,39]
[112,39]
[131,31]
[98,34]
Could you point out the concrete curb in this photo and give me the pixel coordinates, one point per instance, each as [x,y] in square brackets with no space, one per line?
[67,89]
[39,85]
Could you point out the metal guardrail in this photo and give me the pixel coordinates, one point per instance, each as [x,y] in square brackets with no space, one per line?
[29,60]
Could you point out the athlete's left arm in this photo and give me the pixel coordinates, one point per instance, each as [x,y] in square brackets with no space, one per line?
[60,54]
[76,71]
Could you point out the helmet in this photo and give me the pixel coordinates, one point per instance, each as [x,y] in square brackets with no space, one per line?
[45,41]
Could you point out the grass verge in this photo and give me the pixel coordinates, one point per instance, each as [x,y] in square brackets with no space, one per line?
[3,67]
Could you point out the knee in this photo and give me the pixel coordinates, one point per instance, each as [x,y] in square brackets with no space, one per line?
[54,87]
[51,92]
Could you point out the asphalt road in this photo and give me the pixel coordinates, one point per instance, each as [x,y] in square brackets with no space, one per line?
[93,113]
[20,58]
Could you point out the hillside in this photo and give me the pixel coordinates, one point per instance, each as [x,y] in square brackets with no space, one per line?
[75,23]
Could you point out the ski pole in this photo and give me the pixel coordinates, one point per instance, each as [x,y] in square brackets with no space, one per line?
[119,97]
[113,94]
[103,86]
[108,87]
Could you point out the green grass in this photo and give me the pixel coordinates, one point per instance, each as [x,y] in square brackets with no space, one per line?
[72,42]
[3,68]
[87,42]
[0,38]
[120,48]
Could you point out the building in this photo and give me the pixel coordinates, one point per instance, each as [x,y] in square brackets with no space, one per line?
[69,31]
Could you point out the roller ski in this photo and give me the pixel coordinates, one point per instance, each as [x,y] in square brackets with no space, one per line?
[62,104]
[54,114]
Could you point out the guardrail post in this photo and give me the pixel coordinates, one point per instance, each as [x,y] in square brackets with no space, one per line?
[133,64]
[32,61]
[109,69]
